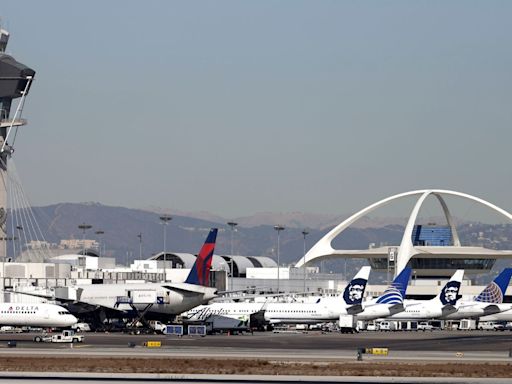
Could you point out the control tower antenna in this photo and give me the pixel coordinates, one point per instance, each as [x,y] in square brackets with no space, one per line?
[15,81]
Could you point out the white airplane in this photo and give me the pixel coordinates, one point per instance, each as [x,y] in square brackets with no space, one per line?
[488,302]
[502,316]
[442,304]
[35,315]
[156,301]
[390,302]
[324,309]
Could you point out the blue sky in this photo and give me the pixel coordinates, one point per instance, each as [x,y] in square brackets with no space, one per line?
[239,107]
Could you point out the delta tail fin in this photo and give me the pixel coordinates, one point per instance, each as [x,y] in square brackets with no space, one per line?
[395,293]
[200,273]
[495,291]
[450,292]
[354,291]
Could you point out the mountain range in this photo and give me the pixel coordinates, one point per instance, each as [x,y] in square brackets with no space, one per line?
[118,230]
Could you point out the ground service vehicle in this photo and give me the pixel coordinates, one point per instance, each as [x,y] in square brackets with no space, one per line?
[66,336]
[348,324]
[81,327]
[387,326]
[157,326]
[425,326]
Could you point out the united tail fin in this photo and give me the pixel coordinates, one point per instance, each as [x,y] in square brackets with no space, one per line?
[354,291]
[200,273]
[395,293]
[495,291]
[450,292]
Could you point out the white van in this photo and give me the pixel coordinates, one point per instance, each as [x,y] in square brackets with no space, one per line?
[81,327]
[487,326]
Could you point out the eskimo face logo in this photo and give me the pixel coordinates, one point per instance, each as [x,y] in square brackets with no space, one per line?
[354,291]
[449,293]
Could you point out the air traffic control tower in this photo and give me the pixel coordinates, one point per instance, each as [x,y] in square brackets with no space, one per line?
[15,81]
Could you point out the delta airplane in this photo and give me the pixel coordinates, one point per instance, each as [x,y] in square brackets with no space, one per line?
[155,301]
[290,313]
[488,302]
[35,315]
[442,304]
[390,302]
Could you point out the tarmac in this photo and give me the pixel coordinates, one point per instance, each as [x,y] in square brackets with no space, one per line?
[460,346]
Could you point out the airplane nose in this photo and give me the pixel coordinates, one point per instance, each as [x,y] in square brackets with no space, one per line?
[72,319]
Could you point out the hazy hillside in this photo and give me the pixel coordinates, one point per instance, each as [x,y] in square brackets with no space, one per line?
[122,226]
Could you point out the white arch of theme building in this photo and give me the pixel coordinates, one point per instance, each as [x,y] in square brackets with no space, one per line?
[323,248]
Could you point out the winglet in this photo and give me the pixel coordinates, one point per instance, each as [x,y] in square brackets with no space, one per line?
[395,293]
[495,291]
[200,273]
[450,292]
[354,291]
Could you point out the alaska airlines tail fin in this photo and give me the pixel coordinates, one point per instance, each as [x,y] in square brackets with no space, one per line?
[495,291]
[200,273]
[449,293]
[395,293]
[354,291]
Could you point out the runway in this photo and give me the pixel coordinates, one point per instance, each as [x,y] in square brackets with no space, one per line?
[311,355]
[432,346]
[457,341]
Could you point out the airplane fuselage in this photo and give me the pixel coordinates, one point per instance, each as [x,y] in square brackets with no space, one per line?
[292,313]
[35,315]
[475,309]
[164,299]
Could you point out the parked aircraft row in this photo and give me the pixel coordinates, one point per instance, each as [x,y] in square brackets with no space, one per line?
[391,304]
[190,298]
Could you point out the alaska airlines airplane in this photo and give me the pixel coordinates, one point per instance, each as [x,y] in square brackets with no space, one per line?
[158,301]
[35,315]
[390,302]
[290,313]
[488,302]
[442,304]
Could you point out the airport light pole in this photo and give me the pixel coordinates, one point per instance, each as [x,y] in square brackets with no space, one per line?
[232,224]
[304,234]
[84,227]
[165,221]
[278,228]
[19,228]
[100,233]
[140,245]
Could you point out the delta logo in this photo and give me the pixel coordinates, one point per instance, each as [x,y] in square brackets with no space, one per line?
[23,308]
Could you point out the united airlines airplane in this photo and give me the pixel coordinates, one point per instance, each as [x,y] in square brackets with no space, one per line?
[35,315]
[488,302]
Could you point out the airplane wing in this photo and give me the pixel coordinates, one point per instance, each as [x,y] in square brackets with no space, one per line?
[355,309]
[397,307]
[187,288]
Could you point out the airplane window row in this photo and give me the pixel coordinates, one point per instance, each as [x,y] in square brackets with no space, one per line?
[64,313]
[294,311]
[19,312]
